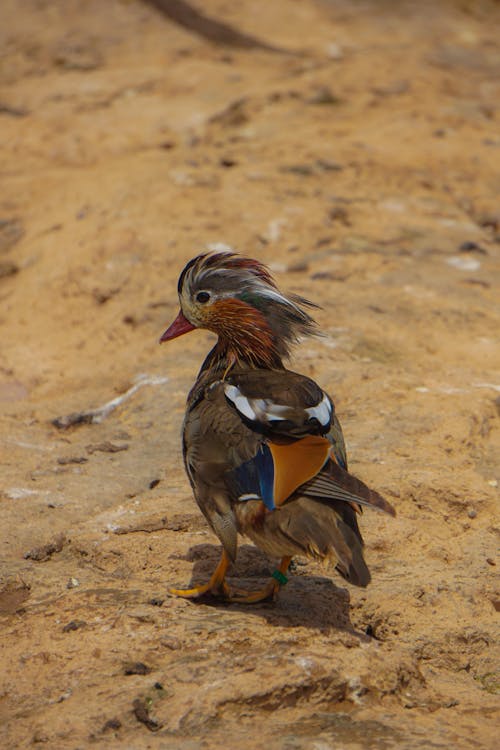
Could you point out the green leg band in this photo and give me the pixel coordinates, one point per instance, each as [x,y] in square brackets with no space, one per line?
[280,577]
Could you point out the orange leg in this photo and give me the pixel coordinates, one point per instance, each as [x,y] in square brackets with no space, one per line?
[270,590]
[216,585]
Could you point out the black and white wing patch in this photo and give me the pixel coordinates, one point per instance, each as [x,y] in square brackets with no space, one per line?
[270,417]
[322,412]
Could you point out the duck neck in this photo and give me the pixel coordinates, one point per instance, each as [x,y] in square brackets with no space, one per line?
[245,338]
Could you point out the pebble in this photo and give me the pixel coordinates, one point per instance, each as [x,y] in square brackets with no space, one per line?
[73,625]
[472,247]
[300,265]
[334,51]
[11,231]
[174,644]
[463,264]
[137,667]
[8,268]
[111,725]
[323,95]
[156,601]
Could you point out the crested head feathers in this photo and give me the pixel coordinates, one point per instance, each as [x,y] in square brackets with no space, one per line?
[237,298]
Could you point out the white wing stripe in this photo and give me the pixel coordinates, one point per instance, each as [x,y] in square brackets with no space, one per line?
[241,403]
[263,410]
[268,410]
[322,411]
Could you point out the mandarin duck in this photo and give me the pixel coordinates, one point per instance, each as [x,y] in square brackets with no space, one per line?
[263,448]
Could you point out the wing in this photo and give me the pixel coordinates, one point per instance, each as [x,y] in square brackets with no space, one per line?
[303,447]
[333,482]
[276,471]
[293,415]
[281,405]
[215,441]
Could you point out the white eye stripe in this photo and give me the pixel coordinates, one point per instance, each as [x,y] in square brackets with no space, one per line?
[266,291]
[322,411]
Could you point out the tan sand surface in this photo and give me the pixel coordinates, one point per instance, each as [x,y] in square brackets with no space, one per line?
[354,147]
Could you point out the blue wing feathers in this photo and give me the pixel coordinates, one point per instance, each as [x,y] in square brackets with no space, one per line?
[256,478]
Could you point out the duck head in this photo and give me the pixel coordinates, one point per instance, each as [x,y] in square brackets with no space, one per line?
[237,298]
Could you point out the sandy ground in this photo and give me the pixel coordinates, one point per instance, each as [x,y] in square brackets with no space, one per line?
[355,147]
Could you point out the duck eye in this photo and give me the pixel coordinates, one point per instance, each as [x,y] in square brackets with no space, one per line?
[202,297]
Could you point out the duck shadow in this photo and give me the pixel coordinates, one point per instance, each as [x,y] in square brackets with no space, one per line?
[309,600]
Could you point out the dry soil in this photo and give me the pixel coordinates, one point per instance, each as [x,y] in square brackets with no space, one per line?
[355,148]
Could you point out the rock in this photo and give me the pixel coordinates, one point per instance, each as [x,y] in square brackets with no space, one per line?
[141,713]
[472,247]
[73,625]
[45,552]
[8,268]
[396,88]
[106,447]
[78,53]
[11,231]
[463,264]
[13,594]
[334,51]
[137,667]
[324,96]
[111,725]
[232,116]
